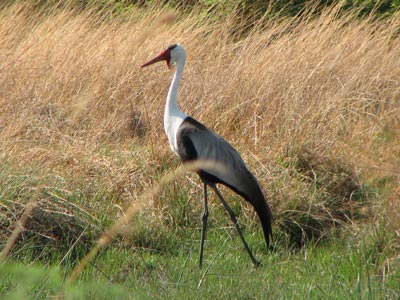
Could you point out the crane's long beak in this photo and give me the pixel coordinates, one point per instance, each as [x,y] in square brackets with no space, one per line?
[165,55]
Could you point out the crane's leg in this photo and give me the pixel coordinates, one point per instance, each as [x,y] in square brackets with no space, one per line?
[203,230]
[235,222]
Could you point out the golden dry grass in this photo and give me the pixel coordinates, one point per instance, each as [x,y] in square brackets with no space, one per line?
[75,105]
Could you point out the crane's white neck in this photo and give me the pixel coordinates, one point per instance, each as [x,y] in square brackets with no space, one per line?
[173,117]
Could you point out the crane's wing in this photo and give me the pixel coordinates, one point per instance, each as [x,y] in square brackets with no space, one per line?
[195,141]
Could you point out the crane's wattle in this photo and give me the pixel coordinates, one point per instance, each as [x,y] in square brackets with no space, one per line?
[164,55]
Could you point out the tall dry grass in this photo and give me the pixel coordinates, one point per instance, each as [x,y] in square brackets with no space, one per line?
[306,100]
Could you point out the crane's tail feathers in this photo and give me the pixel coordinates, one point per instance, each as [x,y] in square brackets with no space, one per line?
[264,213]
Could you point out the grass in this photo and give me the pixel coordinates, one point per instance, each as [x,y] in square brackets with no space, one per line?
[311,102]
[340,270]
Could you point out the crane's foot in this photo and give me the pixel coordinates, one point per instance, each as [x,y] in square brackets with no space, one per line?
[257,263]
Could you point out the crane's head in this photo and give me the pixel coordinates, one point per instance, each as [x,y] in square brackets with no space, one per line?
[171,55]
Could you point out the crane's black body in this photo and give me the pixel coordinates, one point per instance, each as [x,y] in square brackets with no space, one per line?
[188,150]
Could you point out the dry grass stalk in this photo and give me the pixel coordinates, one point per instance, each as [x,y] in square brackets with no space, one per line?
[136,206]
[19,227]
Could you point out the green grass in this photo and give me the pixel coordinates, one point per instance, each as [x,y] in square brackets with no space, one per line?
[339,270]
[156,256]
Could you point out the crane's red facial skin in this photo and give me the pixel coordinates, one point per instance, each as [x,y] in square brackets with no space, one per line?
[164,55]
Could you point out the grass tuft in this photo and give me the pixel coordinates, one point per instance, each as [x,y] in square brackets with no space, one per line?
[335,195]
